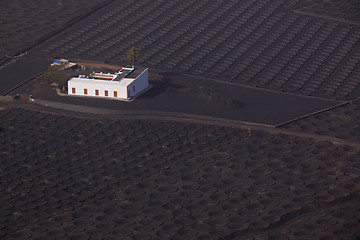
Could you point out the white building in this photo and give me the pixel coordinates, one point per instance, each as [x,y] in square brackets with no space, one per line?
[124,84]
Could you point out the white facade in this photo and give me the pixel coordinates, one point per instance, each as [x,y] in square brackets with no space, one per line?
[125,84]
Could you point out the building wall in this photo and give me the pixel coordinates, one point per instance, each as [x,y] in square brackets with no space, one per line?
[140,83]
[101,86]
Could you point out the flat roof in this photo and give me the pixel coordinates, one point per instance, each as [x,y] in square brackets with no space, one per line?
[120,75]
[123,82]
[136,72]
[125,76]
[123,79]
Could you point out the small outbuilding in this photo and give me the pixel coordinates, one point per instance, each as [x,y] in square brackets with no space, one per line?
[64,63]
[126,84]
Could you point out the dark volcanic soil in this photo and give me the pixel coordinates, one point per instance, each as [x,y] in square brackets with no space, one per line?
[260,43]
[69,175]
[342,122]
[22,23]
[340,10]
[65,177]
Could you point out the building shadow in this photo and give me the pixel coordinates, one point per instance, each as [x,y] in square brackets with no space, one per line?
[159,86]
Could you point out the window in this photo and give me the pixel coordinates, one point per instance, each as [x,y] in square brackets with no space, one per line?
[73,90]
[133,88]
[106,93]
[96,92]
[115,93]
[85,91]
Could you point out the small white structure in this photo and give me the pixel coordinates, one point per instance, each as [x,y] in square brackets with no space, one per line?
[124,84]
[63,62]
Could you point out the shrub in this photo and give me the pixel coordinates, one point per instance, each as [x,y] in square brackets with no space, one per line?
[57,75]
